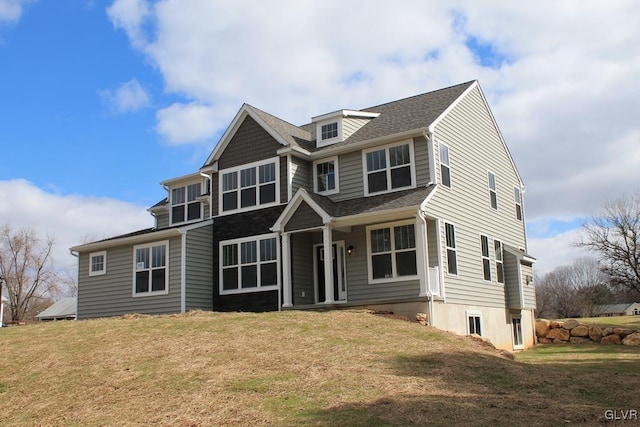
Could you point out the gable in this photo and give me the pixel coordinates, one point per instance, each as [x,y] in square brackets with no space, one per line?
[250,143]
[304,217]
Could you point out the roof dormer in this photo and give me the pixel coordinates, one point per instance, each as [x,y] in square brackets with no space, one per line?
[336,127]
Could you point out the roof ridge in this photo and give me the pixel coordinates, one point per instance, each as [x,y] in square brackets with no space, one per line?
[468,83]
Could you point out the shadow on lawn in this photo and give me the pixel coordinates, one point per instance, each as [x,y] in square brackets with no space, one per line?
[483,389]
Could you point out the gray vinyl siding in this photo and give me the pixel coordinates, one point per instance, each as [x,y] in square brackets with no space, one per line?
[529,290]
[302,269]
[512,280]
[474,147]
[199,269]
[432,243]
[111,294]
[350,177]
[250,143]
[162,219]
[351,125]
[215,196]
[301,175]
[421,149]
[304,217]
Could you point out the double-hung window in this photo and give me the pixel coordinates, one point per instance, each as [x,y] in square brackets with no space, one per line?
[184,203]
[98,263]
[329,131]
[517,196]
[249,265]
[445,167]
[389,168]
[493,192]
[326,176]
[150,267]
[452,253]
[474,323]
[486,260]
[392,252]
[499,260]
[249,187]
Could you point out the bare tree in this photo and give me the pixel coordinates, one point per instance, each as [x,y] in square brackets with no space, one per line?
[615,237]
[25,264]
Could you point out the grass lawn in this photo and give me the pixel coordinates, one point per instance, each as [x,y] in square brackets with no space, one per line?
[298,368]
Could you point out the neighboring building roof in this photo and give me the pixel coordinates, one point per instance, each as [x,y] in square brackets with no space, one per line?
[62,309]
[613,308]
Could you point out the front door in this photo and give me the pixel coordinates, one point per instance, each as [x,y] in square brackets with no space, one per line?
[339,270]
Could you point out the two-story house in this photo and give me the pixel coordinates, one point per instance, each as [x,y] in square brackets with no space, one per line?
[410,206]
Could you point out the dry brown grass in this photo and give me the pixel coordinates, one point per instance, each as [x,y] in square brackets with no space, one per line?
[295,368]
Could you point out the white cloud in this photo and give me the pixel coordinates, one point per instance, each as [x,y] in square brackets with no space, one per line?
[11,10]
[564,89]
[129,96]
[555,251]
[71,219]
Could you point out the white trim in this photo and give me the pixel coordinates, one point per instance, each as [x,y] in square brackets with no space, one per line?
[300,196]
[394,268]
[258,288]
[167,260]
[289,177]
[182,180]
[183,272]
[495,257]
[104,264]
[151,236]
[333,159]
[237,169]
[345,113]
[387,169]
[516,203]
[329,141]
[340,244]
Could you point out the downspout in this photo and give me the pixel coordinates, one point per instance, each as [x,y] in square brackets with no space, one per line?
[421,214]
[183,272]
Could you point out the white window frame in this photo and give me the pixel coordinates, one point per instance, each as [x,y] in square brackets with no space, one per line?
[516,346]
[499,262]
[336,175]
[474,314]
[165,291]
[186,203]
[239,242]
[258,205]
[388,168]
[452,248]
[446,165]
[329,141]
[92,255]
[393,252]
[486,258]
[517,196]
[493,192]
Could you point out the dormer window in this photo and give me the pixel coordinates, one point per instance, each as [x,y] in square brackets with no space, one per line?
[184,203]
[330,131]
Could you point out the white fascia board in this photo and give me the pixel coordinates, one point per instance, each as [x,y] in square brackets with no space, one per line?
[344,113]
[345,148]
[295,151]
[184,178]
[228,134]
[131,240]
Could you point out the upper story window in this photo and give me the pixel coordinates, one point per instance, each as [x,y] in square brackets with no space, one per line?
[325,176]
[329,131]
[249,265]
[249,186]
[493,192]
[98,263]
[389,168]
[499,260]
[392,252]
[150,269]
[184,203]
[517,195]
[445,167]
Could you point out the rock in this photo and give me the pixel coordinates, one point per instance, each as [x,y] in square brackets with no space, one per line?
[607,331]
[544,341]
[580,331]
[558,334]
[542,327]
[422,318]
[611,339]
[579,340]
[570,324]
[595,333]
[555,324]
[559,341]
[632,339]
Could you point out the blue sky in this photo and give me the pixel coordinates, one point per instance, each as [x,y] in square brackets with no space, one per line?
[102,100]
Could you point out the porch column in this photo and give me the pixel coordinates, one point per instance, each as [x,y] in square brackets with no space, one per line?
[286,271]
[421,255]
[327,244]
